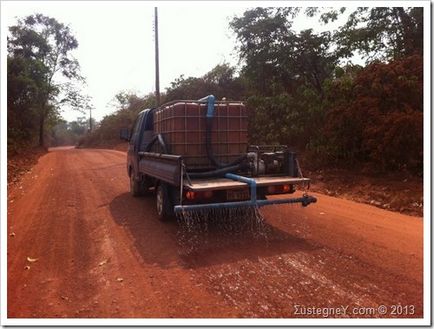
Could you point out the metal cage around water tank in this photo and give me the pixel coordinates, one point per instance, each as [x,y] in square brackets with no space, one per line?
[183,126]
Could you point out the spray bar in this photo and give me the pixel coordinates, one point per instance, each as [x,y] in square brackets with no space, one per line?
[305,200]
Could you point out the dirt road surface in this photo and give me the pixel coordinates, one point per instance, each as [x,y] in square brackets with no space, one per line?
[80,246]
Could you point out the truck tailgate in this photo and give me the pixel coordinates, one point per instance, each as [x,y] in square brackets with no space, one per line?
[225,183]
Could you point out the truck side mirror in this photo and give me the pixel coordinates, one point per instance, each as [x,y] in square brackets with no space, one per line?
[124,134]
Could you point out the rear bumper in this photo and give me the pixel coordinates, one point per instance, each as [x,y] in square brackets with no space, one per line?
[305,200]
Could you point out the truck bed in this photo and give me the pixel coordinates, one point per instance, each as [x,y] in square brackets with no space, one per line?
[225,183]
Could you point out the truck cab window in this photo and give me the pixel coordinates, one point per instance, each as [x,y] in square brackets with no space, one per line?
[134,131]
[148,129]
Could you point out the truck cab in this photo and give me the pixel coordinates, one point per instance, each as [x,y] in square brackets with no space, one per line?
[138,139]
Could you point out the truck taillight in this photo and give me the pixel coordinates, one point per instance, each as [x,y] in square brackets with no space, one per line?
[275,189]
[192,195]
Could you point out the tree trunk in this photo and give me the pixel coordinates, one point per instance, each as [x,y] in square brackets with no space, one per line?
[41,129]
[407,36]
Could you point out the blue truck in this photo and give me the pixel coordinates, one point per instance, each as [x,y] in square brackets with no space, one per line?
[193,155]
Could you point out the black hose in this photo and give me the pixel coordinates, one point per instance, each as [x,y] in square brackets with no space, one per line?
[160,139]
[209,149]
[236,165]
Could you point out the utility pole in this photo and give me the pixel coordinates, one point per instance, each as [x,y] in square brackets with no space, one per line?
[157,64]
[90,119]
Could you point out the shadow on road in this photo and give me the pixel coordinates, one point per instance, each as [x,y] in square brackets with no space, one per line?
[163,243]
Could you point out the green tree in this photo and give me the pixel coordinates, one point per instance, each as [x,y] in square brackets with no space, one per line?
[262,34]
[48,44]
[278,60]
[187,88]
[383,33]
[311,59]
[129,100]
[220,81]
[25,87]
[68,133]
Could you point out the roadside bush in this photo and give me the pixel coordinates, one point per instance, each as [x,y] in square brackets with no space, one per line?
[376,117]
[107,131]
[289,119]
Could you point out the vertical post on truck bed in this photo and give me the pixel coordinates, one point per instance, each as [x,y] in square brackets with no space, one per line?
[157,64]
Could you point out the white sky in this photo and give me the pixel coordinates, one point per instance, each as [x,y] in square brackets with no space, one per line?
[116,42]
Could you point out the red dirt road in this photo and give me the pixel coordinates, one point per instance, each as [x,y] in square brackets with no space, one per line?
[95,251]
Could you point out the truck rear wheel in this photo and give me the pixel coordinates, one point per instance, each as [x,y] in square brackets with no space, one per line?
[137,187]
[164,203]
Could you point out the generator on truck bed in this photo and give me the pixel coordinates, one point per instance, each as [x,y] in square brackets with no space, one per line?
[195,155]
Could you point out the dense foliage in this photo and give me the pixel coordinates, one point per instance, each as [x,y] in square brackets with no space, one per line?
[69,133]
[220,81]
[377,115]
[108,128]
[39,52]
[304,96]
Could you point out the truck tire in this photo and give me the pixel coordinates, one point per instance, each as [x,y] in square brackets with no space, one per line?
[164,203]
[137,187]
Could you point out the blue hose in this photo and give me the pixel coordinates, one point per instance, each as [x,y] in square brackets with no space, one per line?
[210,99]
[249,181]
